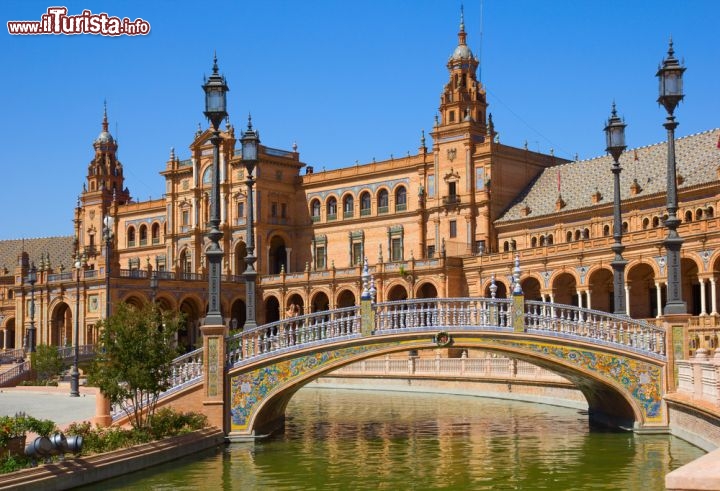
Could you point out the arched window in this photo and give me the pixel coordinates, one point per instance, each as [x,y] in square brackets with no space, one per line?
[315,210]
[506,246]
[606,230]
[656,222]
[400,199]
[156,233]
[698,214]
[533,242]
[331,208]
[143,235]
[625,227]
[550,239]
[586,234]
[365,204]
[185,262]
[578,236]
[382,201]
[646,223]
[131,237]
[688,216]
[709,212]
[568,236]
[348,206]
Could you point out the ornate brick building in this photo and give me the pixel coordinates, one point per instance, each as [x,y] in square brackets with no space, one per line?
[440,223]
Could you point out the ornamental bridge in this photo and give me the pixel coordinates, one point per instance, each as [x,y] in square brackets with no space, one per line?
[245,381]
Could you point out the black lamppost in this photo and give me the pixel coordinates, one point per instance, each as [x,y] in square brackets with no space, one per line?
[108,222]
[215,110]
[153,287]
[250,143]
[671,93]
[32,279]
[75,372]
[615,138]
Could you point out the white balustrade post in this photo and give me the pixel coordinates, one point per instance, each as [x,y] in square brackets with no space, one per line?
[713,297]
[579,295]
[658,299]
[703,305]
[627,299]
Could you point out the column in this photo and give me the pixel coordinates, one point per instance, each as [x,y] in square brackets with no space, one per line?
[288,251]
[587,293]
[580,295]
[713,297]
[627,299]
[703,303]
[658,298]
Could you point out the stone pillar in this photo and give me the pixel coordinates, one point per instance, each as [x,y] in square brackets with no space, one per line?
[713,297]
[703,303]
[102,411]
[214,374]
[587,294]
[580,295]
[658,299]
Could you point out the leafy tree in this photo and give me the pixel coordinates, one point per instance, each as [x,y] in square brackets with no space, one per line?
[47,363]
[133,362]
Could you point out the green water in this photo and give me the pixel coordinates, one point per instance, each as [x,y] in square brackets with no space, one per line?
[362,440]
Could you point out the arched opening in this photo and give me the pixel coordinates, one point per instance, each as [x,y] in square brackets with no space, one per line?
[143,235]
[383,201]
[131,237]
[533,242]
[237,314]
[295,305]
[643,295]
[240,255]
[688,216]
[10,334]
[189,333]
[365,203]
[565,289]
[568,236]
[398,292]
[319,302]
[400,199]
[185,262]
[331,208]
[601,290]
[348,206]
[606,230]
[315,210]
[346,298]
[427,290]
[531,289]
[272,310]
[135,301]
[278,255]
[61,324]
[691,286]
[156,233]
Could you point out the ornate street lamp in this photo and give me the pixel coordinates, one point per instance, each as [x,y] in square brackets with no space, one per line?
[671,93]
[615,138]
[215,110]
[32,279]
[108,222]
[250,142]
[75,372]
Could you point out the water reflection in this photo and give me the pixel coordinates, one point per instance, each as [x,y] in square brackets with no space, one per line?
[341,439]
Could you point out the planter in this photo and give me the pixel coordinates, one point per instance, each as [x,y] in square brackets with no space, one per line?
[15,446]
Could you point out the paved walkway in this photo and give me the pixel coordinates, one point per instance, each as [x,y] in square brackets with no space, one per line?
[53,403]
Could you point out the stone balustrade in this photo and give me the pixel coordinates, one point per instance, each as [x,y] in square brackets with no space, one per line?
[699,377]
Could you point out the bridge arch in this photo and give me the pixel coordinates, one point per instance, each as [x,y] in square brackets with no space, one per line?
[609,401]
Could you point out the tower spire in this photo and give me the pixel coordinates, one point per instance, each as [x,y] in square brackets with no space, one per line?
[105,120]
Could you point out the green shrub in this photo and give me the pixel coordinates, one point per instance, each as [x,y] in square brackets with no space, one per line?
[47,363]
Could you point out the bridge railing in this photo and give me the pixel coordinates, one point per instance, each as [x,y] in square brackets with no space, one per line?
[567,321]
[443,313]
[292,333]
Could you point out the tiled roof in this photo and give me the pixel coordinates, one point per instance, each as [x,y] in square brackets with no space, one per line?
[60,250]
[697,158]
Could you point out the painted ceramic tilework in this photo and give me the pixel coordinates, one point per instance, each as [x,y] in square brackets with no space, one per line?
[249,389]
[641,379]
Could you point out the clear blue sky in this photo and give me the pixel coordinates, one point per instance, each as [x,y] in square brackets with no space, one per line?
[346,80]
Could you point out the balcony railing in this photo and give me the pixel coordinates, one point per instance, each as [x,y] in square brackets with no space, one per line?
[453,199]
[365,212]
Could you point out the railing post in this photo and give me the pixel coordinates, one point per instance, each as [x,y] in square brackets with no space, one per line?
[367,316]
[214,348]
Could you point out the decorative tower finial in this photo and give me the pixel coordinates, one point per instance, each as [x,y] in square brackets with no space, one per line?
[517,289]
[172,154]
[105,120]
[215,65]
[462,18]
[422,139]
[493,286]
[249,122]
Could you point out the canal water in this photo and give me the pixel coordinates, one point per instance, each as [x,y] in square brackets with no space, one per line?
[362,440]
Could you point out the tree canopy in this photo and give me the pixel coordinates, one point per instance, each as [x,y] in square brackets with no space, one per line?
[133,363]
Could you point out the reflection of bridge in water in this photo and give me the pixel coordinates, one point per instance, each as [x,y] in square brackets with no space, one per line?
[246,380]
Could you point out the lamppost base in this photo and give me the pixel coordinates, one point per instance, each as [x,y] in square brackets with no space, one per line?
[675,308]
[74,383]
